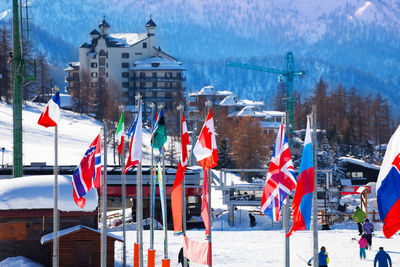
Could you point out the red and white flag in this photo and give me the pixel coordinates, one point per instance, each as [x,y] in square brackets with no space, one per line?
[135,147]
[185,142]
[205,149]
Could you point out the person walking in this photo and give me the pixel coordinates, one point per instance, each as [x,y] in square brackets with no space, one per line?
[368,229]
[323,258]
[252,220]
[181,258]
[363,243]
[359,216]
[382,258]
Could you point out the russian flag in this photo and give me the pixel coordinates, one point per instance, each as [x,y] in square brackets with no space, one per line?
[51,114]
[302,200]
[388,187]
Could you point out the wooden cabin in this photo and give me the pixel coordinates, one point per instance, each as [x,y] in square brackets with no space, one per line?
[80,246]
[26,214]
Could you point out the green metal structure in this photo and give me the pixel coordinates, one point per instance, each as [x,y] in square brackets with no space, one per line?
[19,77]
[289,74]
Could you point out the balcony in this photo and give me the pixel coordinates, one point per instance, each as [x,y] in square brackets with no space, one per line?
[158,79]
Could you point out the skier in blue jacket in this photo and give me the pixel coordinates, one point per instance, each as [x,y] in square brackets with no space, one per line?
[323,258]
[382,258]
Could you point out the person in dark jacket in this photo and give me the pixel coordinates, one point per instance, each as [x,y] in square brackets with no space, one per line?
[252,220]
[180,258]
[368,229]
[382,258]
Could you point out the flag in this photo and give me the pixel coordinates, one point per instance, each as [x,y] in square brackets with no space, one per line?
[88,173]
[197,252]
[162,192]
[120,134]
[302,200]
[185,142]
[281,178]
[205,149]
[204,204]
[159,135]
[135,147]
[388,187]
[176,200]
[51,114]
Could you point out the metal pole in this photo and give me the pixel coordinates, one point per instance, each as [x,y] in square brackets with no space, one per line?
[286,207]
[166,208]
[104,183]
[55,199]
[139,197]
[209,237]
[152,106]
[123,199]
[314,195]
[17,75]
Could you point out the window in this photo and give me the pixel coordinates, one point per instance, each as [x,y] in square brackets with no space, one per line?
[168,75]
[125,85]
[179,75]
[102,61]
[93,74]
[148,94]
[138,54]
[93,84]
[154,74]
[144,45]
[102,71]
[142,75]
[93,65]
[141,85]
[155,64]
[125,74]
[161,94]
[125,64]
[154,85]
[125,55]
[102,53]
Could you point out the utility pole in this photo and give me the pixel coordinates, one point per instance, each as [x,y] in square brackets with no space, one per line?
[18,76]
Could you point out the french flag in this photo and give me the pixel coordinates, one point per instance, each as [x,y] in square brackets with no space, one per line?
[302,200]
[51,114]
[388,187]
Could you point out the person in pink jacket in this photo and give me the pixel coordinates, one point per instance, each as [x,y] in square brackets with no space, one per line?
[363,244]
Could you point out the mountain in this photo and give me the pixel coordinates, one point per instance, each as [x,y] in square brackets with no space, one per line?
[354,42]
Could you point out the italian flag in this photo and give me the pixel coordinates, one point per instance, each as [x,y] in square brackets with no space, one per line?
[119,135]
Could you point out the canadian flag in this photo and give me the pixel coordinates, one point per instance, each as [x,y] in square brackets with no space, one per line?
[185,142]
[205,149]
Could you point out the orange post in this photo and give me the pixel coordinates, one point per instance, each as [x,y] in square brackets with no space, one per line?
[136,249]
[151,258]
[165,263]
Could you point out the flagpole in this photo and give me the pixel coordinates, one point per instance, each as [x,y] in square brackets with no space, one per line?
[286,208]
[165,228]
[208,176]
[314,195]
[123,198]
[152,184]
[104,183]
[139,199]
[180,108]
[55,199]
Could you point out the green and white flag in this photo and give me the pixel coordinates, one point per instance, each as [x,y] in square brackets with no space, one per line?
[120,134]
[159,135]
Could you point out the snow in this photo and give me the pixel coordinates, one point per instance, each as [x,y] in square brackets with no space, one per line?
[36,192]
[19,262]
[247,102]
[127,39]
[361,10]
[4,13]
[70,230]
[230,100]
[209,90]
[360,162]
[162,63]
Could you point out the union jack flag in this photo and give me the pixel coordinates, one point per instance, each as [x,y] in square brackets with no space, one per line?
[88,173]
[281,178]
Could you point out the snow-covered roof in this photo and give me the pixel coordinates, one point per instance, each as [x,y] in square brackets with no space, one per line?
[49,236]
[72,66]
[153,63]
[248,111]
[36,192]
[126,39]
[230,100]
[247,102]
[360,162]
[209,90]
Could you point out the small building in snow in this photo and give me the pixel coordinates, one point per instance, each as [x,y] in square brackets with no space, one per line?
[80,246]
[26,214]
[358,172]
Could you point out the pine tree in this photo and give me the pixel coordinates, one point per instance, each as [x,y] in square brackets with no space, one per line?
[225,154]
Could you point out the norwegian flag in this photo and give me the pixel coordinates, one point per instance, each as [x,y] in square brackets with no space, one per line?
[281,178]
[87,174]
[185,142]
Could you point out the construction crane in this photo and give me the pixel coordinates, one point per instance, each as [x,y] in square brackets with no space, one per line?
[20,79]
[289,74]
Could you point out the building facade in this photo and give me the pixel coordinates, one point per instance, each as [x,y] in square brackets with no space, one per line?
[131,62]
